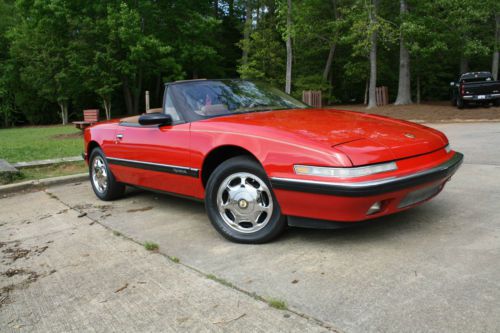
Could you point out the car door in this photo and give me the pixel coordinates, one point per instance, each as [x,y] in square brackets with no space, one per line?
[156,157]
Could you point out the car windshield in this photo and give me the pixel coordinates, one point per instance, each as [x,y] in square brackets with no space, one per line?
[210,98]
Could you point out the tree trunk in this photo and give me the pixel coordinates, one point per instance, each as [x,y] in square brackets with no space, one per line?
[494,65]
[106,101]
[216,8]
[246,32]
[63,105]
[418,89]
[404,85]
[367,86]
[158,91]
[231,8]
[127,95]
[372,103]
[496,55]
[464,65]
[289,55]
[137,92]
[329,61]
[333,46]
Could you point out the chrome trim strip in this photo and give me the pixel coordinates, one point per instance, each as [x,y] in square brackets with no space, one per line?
[443,170]
[175,169]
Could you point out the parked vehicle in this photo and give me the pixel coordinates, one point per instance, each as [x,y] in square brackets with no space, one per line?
[261,160]
[475,87]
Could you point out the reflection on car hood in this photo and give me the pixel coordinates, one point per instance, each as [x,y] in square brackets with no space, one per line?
[363,137]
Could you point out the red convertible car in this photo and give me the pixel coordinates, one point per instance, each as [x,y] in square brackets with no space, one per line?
[262,160]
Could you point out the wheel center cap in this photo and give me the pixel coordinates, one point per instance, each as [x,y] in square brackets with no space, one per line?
[243,203]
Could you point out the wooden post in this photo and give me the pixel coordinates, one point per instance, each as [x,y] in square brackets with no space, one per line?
[147,100]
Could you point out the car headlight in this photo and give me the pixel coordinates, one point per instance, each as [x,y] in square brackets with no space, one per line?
[447,148]
[344,172]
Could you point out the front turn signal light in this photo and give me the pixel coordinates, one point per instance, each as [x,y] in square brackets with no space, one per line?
[344,172]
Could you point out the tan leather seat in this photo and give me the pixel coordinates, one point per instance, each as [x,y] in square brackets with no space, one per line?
[158,110]
[214,109]
[133,120]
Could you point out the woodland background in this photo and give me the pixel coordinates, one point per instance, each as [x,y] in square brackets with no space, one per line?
[58,57]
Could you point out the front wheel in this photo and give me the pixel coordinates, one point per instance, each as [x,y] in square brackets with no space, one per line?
[103,182]
[240,202]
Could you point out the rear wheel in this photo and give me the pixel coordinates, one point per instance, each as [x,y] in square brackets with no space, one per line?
[240,202]
[460,103]
[496,102]
[103,182]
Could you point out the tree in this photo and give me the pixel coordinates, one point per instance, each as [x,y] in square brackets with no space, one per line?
[266,50]
[316,30]
[289,52]
[404,85]
[496,47]
[7,105]
[373,54]
[43,44]
[333,44]
[247,28]
[62,55]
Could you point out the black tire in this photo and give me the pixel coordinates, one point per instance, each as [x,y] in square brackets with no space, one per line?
[243,165]
[113,189]
[496,102]
[460,103]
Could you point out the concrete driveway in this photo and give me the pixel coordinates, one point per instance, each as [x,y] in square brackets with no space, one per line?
[435,268]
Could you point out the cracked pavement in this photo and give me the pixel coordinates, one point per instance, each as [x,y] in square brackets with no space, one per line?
[434,268]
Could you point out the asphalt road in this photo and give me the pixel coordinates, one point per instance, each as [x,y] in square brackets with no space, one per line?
[435,268]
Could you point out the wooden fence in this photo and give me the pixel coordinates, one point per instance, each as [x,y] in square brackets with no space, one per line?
[382,95]
[312,98]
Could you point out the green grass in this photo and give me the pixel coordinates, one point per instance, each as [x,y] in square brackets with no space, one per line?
[24,144]
[48,171]
[150,246]
[273,302]
[220,280]
[174,259]
[277,304]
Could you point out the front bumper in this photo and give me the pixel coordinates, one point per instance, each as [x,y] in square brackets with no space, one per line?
[375,187]
[350,202]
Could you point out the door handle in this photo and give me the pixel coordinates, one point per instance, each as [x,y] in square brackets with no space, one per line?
[119,136]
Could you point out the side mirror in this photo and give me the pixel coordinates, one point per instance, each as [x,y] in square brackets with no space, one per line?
[452,84]
[155,119]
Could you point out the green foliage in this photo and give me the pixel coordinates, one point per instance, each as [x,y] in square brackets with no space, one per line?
[58,55]
[266,48]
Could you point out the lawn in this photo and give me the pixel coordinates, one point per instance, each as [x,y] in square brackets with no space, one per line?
[47,171]
[39,143]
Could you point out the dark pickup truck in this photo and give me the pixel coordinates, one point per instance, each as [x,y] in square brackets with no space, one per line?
[475,87]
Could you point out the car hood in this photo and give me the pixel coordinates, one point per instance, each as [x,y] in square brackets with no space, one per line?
[365,138]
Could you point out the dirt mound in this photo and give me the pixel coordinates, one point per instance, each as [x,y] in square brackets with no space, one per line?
[429,113]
